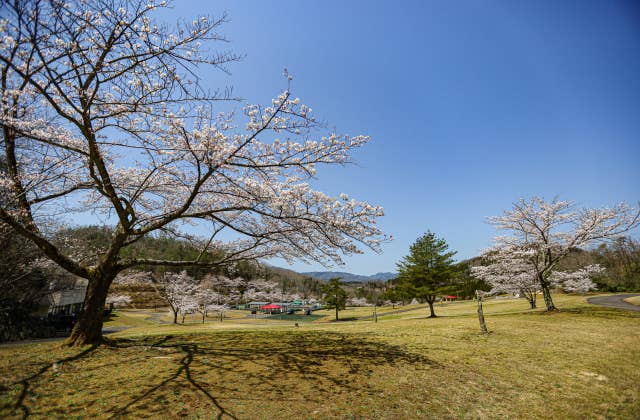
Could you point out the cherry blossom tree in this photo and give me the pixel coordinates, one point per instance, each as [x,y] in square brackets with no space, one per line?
[102,110]
[118,300]
[508,274]
[178,290]
[355,301]
[220,309]
[207,301]
[578,281]
[263,291]
[225,289]
[543,233]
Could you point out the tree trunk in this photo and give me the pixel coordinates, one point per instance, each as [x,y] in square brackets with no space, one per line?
[175,317]
[483,325]
[546,293]
[433,313]
[532,302]
[336,313]
[88,329]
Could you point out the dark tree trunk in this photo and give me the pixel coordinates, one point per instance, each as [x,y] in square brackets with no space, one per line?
[433,313]
[88,329]
[532,302]
[336,313]
[546,293]
[175,317]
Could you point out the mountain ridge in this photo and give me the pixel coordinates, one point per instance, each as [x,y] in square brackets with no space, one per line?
[350,277]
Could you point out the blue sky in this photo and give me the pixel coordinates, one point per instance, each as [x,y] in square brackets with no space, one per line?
[471,104]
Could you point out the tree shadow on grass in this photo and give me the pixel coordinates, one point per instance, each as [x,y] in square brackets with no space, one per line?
[220,374]
[259,366]
[25,384]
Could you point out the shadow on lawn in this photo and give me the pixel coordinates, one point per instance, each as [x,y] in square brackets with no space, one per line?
[25,383]
[268,366]
[223,373]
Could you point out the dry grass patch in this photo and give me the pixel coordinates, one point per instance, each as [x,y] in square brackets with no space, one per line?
[635,300]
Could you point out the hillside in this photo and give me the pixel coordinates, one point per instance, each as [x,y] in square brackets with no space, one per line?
[349,277]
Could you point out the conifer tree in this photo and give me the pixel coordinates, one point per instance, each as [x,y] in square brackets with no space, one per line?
[428,270]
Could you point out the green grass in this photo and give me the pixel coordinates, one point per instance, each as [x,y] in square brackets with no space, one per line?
[582,362]
[353,312]
[295,317]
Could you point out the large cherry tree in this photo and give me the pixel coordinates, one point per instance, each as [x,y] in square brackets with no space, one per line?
[102,110]
[541,233]
[508,271]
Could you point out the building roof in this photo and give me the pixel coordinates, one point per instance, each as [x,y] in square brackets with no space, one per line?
[67,297]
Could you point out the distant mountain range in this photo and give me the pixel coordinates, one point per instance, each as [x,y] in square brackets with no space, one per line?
[349,277]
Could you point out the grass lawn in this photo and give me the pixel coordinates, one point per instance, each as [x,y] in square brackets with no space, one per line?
[582,362]
[353,312]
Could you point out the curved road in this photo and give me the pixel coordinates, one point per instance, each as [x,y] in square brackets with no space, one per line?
[615,301]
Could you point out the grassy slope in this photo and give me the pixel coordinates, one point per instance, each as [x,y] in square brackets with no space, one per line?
[583,362]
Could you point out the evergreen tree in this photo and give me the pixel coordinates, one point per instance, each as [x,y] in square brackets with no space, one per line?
[335,295]
[428,270]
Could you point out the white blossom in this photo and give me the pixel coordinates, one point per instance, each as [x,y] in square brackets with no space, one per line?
[543,233]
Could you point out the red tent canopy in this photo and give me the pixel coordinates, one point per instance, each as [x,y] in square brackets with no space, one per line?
[271,306]
[451,297]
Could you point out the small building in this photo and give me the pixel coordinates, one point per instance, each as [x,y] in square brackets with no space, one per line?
[70,300]
[272,308]
[256,305]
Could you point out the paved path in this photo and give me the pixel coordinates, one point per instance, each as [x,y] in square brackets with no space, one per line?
[615,301]
[158,317]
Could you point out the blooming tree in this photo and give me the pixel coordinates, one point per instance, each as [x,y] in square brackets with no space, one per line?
[355,301]
[208,301]
[509,274]
[578,281]
[101,109]
[132,278]
[543,233]
[178,290]
[118,300]
[263,291]
[225,289]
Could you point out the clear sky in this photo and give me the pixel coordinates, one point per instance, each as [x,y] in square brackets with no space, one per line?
[471,104]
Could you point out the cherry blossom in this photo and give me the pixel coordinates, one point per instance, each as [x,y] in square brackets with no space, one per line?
[543,233]
[102,109]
